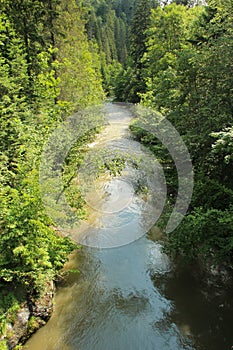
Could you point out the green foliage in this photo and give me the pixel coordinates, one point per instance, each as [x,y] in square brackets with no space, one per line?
[187,76]
[48,69]
[33,325]
[108,24]
[206,234]
[112,164]
[223,147]
[3,345]
[211,193]
[201,110]
[115,165]
[79,69]
[167,44]
[127,85]
[9,306]
[221,157]
[31,21]
[139,24]
[110,73]
[29,248]
[185,65]
[72,163]
[130,82]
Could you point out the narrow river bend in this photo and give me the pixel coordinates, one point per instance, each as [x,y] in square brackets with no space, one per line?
[130,297]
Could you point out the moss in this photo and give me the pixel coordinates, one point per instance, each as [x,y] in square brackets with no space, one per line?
[33,325]
[9,306]
[3,345]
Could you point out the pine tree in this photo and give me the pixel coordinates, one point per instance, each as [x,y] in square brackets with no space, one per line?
[135,85]
[139,25]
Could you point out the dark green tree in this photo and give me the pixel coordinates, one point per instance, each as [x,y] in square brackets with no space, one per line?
[131,83]
[138,27]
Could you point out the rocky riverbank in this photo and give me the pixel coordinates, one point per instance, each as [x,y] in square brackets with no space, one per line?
[33,314]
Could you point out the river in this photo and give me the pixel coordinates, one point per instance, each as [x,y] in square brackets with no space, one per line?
[130,296]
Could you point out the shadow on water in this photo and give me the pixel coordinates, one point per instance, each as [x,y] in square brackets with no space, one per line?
[202,309]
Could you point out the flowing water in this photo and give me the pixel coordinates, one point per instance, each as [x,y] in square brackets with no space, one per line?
[130,296]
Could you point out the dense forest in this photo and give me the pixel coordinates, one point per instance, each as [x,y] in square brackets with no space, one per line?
[182,68]
[59,56]
[49,69]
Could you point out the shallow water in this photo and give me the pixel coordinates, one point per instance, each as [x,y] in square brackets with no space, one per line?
[130,296]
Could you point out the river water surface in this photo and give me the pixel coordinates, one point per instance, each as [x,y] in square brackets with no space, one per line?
[131,297]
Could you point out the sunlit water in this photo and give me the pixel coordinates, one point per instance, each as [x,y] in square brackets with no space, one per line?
[130,296]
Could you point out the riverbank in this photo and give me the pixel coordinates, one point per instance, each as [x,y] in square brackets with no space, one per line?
[29,315]
[26,302]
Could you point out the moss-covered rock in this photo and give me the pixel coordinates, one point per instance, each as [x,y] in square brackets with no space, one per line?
[30,316]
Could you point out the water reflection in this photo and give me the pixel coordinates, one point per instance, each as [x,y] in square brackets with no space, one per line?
[203,310]
[113,304]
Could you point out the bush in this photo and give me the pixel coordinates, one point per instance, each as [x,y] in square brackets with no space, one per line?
[204,234]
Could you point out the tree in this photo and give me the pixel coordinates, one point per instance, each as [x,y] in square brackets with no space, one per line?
[166,35]
[40,41]
[186,69]
[130,83]
[139,24]
[13,83]
[79,71]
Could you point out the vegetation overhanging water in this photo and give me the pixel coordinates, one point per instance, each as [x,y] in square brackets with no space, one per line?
[131,297]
